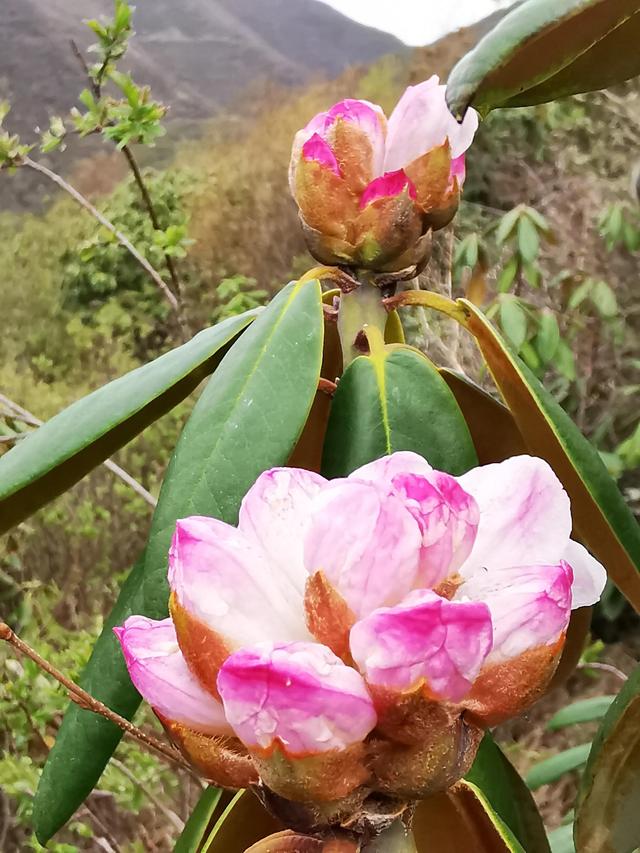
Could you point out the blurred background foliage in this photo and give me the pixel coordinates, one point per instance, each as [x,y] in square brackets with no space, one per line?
[547,241]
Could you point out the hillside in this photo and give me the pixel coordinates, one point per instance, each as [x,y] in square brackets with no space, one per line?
[198,55]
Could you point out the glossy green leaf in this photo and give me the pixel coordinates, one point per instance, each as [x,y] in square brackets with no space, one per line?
[546,49]
[601,517]
[193,834]
[584,711]
[494,775]
[248,419]
[608,812]
[392,400]
[63,450]
[551,769]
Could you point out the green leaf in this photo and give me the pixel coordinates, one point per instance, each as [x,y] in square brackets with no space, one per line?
[553,768]
[507,225]
[393,400]
[608,811]
[561,839]
[508,274]
[546,49]
[497,778]
[548,336]
[604,299]
[195,828]
[528,239]
[63,450]
[513,320]
[247,419]
[584,711]
[601,517]
[565,362]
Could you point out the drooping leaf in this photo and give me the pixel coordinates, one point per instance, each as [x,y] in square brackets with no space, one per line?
[494,775]
[600,514]
[60,453]
[584,711]
[493,429]
[244,822]
[248,418]
[548,336]
[546,49]
[551,769]
[608,812]
[528,239]
[513,320]
[395,399]
[462,819]
[192,835]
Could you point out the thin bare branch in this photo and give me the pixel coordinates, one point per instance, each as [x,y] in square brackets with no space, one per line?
[31,419]
[102,219]
[603,667]
[170,815]
[87,701]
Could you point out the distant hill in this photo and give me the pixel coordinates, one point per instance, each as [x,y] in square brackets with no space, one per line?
[198,55]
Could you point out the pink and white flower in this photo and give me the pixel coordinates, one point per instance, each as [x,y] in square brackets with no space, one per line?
[334,602]
[368,190]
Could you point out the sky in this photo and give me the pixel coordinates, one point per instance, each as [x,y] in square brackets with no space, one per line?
[417,21]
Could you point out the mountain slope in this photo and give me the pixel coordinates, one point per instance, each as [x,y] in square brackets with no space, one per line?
[198,55]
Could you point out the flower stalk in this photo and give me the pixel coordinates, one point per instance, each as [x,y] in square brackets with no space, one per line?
[359,308]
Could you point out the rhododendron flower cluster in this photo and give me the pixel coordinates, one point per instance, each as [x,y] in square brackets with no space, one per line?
[370,191]
[359,634]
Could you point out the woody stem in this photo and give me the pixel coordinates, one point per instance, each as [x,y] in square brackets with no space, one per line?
[86,700]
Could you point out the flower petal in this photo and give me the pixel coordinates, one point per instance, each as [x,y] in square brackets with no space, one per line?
[448,519]
[365,541]
[275,513]
[389,185]
[317,150]
[422,121]
[223,579]
[589,576]
[459,170]
[425,638]
[299,694]
[160,673]
[525,515]
[530,606]
[383,470]
[369,119]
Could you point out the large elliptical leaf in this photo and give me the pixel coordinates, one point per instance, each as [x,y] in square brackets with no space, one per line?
[508,796]
[60,453]
[546,49]
[395,399]
[248,419]
[600,515]
[608,812]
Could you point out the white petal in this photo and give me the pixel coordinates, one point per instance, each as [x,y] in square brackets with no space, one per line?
[275,514]
[589,576]
[525,515]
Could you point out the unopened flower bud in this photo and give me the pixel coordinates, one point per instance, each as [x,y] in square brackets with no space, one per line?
[370,192]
